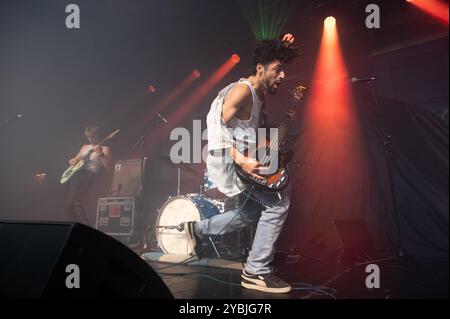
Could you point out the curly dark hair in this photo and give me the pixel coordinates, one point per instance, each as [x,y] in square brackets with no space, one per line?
[267,51]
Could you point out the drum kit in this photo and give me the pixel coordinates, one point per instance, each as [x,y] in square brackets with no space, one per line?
[171,239]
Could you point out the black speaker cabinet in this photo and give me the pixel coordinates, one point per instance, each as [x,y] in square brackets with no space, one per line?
[71,260]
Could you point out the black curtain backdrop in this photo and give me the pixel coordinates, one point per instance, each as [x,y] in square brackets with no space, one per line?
[419,166]
[410,214]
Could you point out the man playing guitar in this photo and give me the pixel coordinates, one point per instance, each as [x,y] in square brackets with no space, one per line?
[239,107]
[80,182]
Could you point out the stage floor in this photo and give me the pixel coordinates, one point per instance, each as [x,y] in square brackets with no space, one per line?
[311,279]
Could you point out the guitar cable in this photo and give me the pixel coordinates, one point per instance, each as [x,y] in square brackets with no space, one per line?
[301,287]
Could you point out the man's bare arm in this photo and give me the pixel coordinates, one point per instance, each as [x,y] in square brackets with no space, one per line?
[107,158]
[239,97]
[77,158]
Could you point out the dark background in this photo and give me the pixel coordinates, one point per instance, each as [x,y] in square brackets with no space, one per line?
[62,80]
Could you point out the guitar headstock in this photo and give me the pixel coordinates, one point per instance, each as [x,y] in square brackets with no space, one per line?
[109,137]
[112,134]
[298,92]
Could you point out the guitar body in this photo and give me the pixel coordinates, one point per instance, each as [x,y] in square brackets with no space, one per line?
[71,171]
[273,182]
[276,177]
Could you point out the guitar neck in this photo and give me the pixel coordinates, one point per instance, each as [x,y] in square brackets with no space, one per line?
[297,93]
[282,129]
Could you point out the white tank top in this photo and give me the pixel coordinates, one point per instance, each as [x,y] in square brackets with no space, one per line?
[221,171]
[244,131]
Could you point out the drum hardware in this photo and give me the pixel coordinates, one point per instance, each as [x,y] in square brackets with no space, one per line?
[178,180]
[176,211]
[179,166]
[180,227]
[169,226]
[214,247]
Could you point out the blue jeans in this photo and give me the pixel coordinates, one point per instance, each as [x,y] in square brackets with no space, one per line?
[270,209]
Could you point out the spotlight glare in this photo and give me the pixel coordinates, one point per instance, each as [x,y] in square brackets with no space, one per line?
[330,22]
[235,58]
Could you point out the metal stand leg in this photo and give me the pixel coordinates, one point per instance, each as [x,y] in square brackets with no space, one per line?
[215,248]
[178,180]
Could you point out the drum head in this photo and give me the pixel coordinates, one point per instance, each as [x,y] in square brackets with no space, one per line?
[175,211]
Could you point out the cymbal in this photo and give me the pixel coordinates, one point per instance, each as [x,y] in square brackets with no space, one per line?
[187,167]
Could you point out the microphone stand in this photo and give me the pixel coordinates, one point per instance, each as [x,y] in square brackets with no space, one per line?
[9,121]
[141,143]
[388,156]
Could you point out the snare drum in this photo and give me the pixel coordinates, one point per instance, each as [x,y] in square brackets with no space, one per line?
[177,210]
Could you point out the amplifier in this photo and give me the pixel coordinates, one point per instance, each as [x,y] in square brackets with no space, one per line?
[124,218]
[127,178]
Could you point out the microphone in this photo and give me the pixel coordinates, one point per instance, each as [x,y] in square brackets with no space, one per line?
[180,227]
[356,80]
[162,118]
[15,117]
[8,122]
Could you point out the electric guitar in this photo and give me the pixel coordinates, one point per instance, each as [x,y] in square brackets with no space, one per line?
[73,169]
[276,177]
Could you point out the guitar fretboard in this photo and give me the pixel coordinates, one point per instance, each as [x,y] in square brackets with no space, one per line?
[282,129]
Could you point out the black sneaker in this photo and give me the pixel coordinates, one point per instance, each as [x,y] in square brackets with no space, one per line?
[265,282]
[192,239]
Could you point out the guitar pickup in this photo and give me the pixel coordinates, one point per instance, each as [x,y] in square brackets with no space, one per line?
[259,180]
[267,170]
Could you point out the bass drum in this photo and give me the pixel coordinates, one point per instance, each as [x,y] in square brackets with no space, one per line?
[177,210]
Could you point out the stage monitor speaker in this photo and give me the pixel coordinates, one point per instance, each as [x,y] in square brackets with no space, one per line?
[71,260]
[127,178]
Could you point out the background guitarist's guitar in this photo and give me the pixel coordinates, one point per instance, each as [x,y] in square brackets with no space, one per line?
[73,169]
[279,180]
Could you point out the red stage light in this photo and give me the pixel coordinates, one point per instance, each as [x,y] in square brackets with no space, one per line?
[168,99]
[151,89]
[186,108]
[435,8]
[196,73]
[333,141]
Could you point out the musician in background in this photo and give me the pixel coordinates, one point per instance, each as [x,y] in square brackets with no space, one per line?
[79,184]
[240,106]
